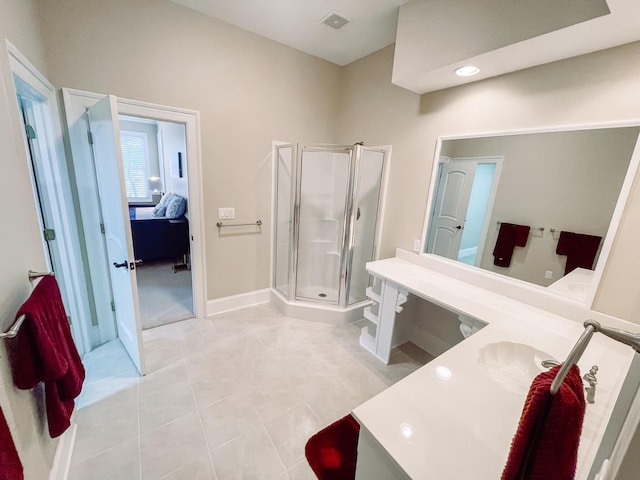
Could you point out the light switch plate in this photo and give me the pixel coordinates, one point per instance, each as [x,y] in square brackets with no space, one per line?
[227,213]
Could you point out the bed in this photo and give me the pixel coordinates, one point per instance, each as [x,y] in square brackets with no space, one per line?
[158,238]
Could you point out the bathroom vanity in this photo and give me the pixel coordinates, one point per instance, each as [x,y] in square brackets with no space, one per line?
[455,417]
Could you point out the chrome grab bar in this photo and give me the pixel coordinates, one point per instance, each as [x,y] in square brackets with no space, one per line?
[256,223]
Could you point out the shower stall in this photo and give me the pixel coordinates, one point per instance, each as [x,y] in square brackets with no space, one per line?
[327,202]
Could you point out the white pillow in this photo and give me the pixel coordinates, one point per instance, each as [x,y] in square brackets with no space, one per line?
[176,207]
[160,209]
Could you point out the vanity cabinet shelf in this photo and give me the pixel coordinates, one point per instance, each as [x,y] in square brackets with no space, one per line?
[370,315]
[373,295]
[386,300]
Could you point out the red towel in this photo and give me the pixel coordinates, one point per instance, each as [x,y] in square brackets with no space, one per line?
[10,466]
[43,351]
[579,248]
[332,452]
[545,446]
[510,236]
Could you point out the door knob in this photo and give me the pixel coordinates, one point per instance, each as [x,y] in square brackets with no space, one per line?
[124,264]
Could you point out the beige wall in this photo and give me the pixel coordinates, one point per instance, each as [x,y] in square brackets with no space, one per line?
[248,90]
[563,180]
[599,87]
[20,241]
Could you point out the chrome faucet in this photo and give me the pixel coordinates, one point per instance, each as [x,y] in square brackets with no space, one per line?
[590,378]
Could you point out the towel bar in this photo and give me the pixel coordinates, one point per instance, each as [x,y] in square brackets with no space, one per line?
[532,228]
[13,331]
[591,327]
[256,223]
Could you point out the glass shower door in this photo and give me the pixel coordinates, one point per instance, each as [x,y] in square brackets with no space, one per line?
[323,191]
[285,181]
[370,168]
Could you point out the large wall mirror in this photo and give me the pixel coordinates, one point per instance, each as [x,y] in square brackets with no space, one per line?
[537,207]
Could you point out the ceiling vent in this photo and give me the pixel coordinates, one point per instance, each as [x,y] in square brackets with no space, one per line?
[335,20]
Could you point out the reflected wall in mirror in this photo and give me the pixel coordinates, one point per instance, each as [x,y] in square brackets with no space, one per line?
[561,181]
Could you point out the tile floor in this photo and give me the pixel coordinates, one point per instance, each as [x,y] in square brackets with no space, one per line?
[164,295]
[235,396]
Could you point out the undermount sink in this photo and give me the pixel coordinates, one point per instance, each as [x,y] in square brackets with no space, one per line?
[513,366]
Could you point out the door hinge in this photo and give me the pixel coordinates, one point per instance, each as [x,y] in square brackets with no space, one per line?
[113,306]
[49,234]
[102,228]
[30,132]
[90,138]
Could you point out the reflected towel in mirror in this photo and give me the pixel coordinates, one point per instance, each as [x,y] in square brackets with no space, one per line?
[510,236]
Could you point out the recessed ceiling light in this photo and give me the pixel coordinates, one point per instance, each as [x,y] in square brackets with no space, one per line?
[466,71]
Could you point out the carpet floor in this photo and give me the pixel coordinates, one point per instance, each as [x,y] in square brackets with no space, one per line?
[164,296]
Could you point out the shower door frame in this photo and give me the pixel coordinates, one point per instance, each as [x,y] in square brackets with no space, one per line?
[348,223]
[293,266]
[355,175]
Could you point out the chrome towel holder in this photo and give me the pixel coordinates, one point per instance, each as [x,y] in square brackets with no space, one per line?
[591,327]
[257,223]
[13,331]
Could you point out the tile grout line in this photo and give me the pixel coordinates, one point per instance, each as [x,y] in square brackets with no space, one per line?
[204,432]
[139,429]
[264,427]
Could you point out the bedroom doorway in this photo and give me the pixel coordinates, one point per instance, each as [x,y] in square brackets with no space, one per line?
[156,181]
[76,103]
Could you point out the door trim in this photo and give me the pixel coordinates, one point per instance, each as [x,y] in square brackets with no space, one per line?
[191,120]
[71,277]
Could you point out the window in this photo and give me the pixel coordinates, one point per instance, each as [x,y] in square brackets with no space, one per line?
[135,159]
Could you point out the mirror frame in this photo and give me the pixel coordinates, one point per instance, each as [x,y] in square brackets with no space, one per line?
[625,190]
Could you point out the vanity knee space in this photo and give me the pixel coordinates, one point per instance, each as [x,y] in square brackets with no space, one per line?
[396,317]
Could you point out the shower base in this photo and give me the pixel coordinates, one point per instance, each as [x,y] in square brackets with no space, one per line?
[317,311]
[317,294]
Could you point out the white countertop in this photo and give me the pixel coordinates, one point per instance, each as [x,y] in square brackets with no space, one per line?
[462,428]
[575,284]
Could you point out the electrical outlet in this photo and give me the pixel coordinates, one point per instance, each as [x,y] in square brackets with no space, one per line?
[548,274]
[416,244]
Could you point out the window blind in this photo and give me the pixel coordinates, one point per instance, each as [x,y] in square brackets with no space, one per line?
[136,164]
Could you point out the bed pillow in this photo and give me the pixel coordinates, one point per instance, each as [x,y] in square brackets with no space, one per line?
[176,207]
[160,209]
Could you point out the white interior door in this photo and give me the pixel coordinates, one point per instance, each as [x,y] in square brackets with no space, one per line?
[450,207]
[103,117]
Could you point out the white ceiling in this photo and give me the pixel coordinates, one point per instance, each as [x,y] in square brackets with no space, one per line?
[296,23]
[488,39]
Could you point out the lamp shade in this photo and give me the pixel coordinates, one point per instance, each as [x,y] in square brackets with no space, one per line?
[155,184]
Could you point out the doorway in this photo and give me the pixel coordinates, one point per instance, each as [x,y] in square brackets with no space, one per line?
[36,111]
[153,155]
[466,189]
[104,264]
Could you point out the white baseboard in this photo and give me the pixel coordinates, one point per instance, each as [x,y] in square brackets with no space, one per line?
[428,342]
[62,458]
[234,302]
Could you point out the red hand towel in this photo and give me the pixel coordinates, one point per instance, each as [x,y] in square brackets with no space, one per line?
[510,236]
[43,351]
[332,452]
[580,249]
[10,465]
[545,446]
